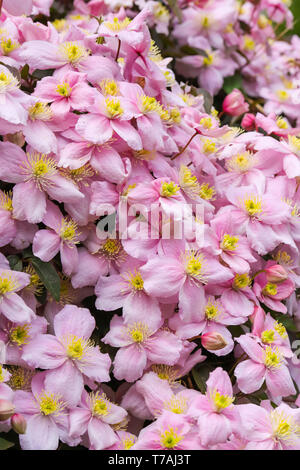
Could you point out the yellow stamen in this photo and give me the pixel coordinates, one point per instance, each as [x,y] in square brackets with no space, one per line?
[194,263]
[241,281]
[176,404]
[138,332]
[229,243]
[6,201]
[50,404]
[19,335]
[268,336]
[64,89]
[272,358]
[207,192]
[114,108]
[169,189]
[73,52]
[170,439]
[221,401]
[253,205]
[68,231]
[40,111]
[116,26]
[100,404]
[270,289]
[280,330]
[109,87]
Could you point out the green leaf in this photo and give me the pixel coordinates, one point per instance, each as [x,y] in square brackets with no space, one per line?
[4,444]
[200,375]
[48,276]
[230,83]
[25,72]
[15,263]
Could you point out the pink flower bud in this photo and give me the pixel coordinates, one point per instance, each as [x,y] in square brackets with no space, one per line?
[235,104]
[18,423]
[276,273]
[248,122]
[7,409]
[213,341]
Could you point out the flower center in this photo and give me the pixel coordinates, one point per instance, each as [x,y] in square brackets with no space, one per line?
[19,335]
[109,87]
[272,358]
[206,122]
[40,111]
[8,46]
[221,401]
[242,162]
[50,404]
[68,231]
[282,95]
[6,201]
[229,243]
[7,82]
[270,289]
[211,310]
[100,405]
[177,405]
[114,108]
[77,347]
[7,284]
[241,281]
[194,266]
[73,52]
[253,205]
[169,189]
[207,61]
[116,26]
[169,438]
[207,192]
[188,181]
[209,146]
[267,336]
[138,332]
[280,330]
[64,89]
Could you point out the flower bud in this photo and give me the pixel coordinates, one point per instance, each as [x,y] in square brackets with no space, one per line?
[18,423]
[248,122]
[276,273]
[7,409]
[213,341]
[235,104]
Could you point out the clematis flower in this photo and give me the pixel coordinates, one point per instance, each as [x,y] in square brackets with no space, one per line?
[264,364]
[35,175]
[44,411]
[95,416]
[139,344]
[70,355]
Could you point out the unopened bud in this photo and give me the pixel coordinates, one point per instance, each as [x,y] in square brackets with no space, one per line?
[213,341]
[235,104]
[18,423]
[276,273]
[248,122]
[7,409]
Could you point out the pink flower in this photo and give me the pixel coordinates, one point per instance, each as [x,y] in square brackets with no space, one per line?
[69,355]
[62,238]
[270,429]
[45,414]
[168,432]
[35,175]
[216,415]
[271,293]
[94,416]
[140,344]
[12,306]
[264,364]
